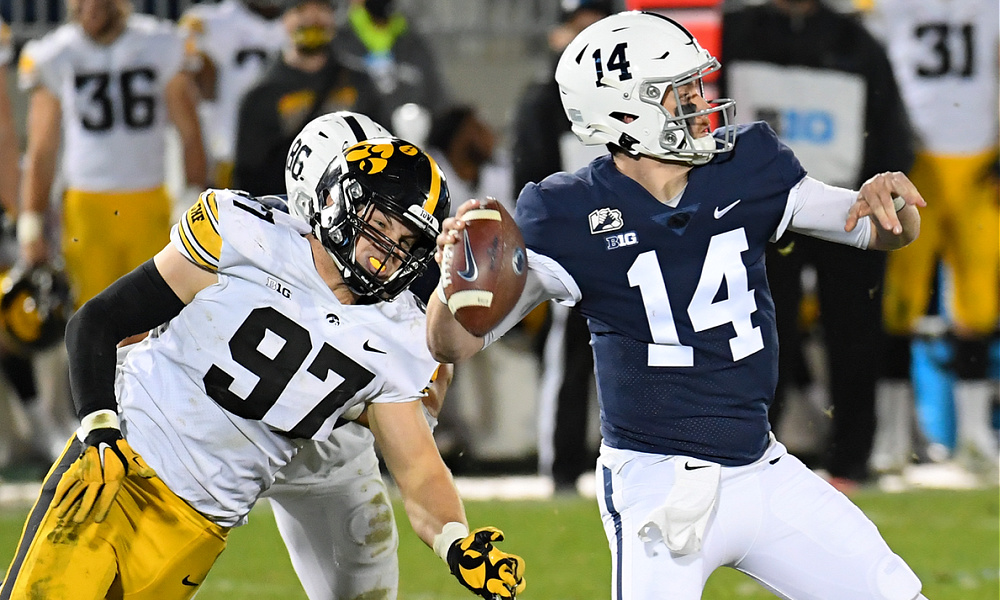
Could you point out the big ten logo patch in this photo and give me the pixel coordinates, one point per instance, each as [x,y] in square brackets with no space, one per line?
[277,286]
[620,240]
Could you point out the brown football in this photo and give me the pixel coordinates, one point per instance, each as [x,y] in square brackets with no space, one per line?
[483,273]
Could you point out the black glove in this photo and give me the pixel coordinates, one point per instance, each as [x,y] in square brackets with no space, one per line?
[485,570]
[94,479]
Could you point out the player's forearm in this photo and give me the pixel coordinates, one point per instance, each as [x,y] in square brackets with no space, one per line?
[195,163]
[431,503]
[39,174]
[182,103]
[447,340]
[44,122]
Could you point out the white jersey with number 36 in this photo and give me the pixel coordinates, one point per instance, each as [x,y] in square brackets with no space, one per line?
[112,100]
[263,358]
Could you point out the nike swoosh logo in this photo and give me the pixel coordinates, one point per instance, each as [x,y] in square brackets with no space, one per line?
[688,467]
[771,462]
[188,582]
[719,212]
[471,271]
[370,348]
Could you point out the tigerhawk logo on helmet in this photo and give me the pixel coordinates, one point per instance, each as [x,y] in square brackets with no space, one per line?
[341,168]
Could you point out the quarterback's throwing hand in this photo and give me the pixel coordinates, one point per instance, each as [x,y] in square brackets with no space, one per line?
[487,571]
[92,482]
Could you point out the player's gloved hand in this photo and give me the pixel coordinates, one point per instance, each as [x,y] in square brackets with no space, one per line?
[487,571]
[92,482]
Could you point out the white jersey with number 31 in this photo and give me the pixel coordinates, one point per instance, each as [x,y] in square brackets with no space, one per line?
[944,53]
[263,358]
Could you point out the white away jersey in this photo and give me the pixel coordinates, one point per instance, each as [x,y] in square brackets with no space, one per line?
[112,97]
[239,43]
[260,361]
[944,54]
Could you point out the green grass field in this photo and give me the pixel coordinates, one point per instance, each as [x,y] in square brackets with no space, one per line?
[950,538]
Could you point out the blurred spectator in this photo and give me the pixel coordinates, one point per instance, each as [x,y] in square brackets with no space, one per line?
[543,144]
[465,147]
[109,80]
[378,38]
[945,56]
[228,44]
[306,82]
[827,89]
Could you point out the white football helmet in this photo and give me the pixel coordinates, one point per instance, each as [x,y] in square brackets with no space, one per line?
[312,150]
[339,169]
[620,67]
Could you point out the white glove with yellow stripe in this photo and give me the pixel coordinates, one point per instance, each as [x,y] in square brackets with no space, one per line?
[478,565]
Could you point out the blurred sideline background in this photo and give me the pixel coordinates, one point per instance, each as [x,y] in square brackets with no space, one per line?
[489,50]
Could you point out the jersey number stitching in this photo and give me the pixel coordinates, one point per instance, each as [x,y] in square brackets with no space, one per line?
[722,264]
[138,108]
[275,372]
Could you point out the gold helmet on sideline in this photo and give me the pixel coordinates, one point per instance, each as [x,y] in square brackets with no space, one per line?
[35,304]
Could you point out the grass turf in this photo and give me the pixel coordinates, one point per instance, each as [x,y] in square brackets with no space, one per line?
[950,538]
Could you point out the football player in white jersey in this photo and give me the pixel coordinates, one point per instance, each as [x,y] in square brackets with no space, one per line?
[330,504]
[278,330]
[661,246]
[944,54]
[106,84]
[228,43]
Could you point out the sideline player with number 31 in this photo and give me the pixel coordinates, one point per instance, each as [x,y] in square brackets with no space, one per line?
[661,246]
[278,330]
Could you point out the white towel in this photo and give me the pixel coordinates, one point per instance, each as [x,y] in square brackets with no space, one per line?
[680,522]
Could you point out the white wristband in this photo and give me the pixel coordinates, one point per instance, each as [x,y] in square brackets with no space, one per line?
[30,227]
[451,531]
[99,419]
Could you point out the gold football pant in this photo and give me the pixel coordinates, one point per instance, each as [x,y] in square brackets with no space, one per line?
[958,226]
[107,234]
[152,546]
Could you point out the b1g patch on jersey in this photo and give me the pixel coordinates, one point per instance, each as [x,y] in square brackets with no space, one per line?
[605,219]
[620,240]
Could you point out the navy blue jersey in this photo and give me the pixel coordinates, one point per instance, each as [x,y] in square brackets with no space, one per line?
[681,317]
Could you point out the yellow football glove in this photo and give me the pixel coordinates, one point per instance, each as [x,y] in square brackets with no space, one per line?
[92,482]
[485,570]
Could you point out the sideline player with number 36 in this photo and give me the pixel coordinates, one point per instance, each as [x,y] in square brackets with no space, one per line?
[278,331]
[661,246]
[107,83]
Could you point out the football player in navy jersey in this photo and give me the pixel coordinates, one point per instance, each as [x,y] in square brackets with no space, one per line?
[660,245]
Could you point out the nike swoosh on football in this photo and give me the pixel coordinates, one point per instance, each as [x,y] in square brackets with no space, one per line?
[688,467]
[471,271]
[720,212]
[187,581]
[370,348]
